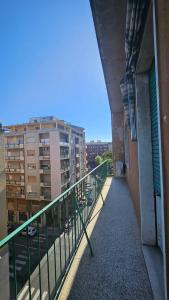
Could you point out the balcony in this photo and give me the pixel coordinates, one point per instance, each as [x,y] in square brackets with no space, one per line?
[65,181]
[14,170]
[16,158]
[64,139]
[65,169]
[44,170]
[116,270]
[15,146]
[64,143]
[14,182]
[44,142]
[45,196]
[44,156]
[15,195]
[45,184]
[32,195]
[64,156]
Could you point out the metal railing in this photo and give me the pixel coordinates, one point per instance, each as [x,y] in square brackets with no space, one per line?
[15,182]
[15,195]
[15,145]
[41,250]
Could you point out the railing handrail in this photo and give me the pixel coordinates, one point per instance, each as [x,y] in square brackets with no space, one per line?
[4,241]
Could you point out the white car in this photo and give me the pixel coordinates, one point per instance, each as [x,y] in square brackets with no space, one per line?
[31,231]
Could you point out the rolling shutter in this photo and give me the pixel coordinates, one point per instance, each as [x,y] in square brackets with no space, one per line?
[154,132]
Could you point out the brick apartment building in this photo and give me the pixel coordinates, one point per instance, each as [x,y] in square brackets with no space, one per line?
[95,148]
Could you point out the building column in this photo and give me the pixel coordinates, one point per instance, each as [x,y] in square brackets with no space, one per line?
[147,208]
[118,142]
[161,34]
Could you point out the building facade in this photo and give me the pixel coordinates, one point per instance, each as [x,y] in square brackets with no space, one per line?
[43,158]
[4,259]
[95,148]
[133,40]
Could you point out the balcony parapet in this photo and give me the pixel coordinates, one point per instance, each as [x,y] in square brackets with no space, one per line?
[45,171]
[45,184]
[44,143]
[14,170]
[14,182]
[45,197]
[63,170]
[63,143]
[64,156]
[44,157]
[15,195]
[32,195]
[16,146]
[7,157]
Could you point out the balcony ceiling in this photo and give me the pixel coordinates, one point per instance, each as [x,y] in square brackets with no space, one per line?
[109,19]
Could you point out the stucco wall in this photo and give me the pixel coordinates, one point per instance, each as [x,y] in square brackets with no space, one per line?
[117,136]
[133,176]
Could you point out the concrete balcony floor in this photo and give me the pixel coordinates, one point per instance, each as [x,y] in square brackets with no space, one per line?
[117,271]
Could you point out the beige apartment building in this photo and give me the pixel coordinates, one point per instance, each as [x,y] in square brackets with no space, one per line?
[43,158]
[4,259]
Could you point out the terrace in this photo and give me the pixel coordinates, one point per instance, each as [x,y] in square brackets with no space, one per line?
[81,244]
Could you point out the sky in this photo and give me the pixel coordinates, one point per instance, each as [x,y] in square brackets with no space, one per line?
[50,65]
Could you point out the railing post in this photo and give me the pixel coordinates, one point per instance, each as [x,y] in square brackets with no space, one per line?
[84,227]
[74,213]
[14,265]
[99,189]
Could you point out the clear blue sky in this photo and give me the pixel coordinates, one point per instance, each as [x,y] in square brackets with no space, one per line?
[50,65]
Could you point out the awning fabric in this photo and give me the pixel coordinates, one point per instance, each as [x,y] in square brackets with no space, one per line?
[135,21]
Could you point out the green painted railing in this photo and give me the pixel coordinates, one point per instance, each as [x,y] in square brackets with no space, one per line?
[38,264]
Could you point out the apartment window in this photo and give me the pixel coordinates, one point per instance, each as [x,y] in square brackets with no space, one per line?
[31,179]
[64,137]
[10,216]
[45,149]
[22,216]
[31,166]
[60,127]
[30,152]
[30,140]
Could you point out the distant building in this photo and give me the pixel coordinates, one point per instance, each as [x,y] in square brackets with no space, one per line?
[43,158]
[96,148]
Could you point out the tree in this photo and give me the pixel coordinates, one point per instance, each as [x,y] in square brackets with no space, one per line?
[107,155]
[98,160]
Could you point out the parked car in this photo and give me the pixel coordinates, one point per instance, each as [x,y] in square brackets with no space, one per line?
[31,231]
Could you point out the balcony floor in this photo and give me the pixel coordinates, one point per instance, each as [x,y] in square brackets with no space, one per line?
[117,271]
